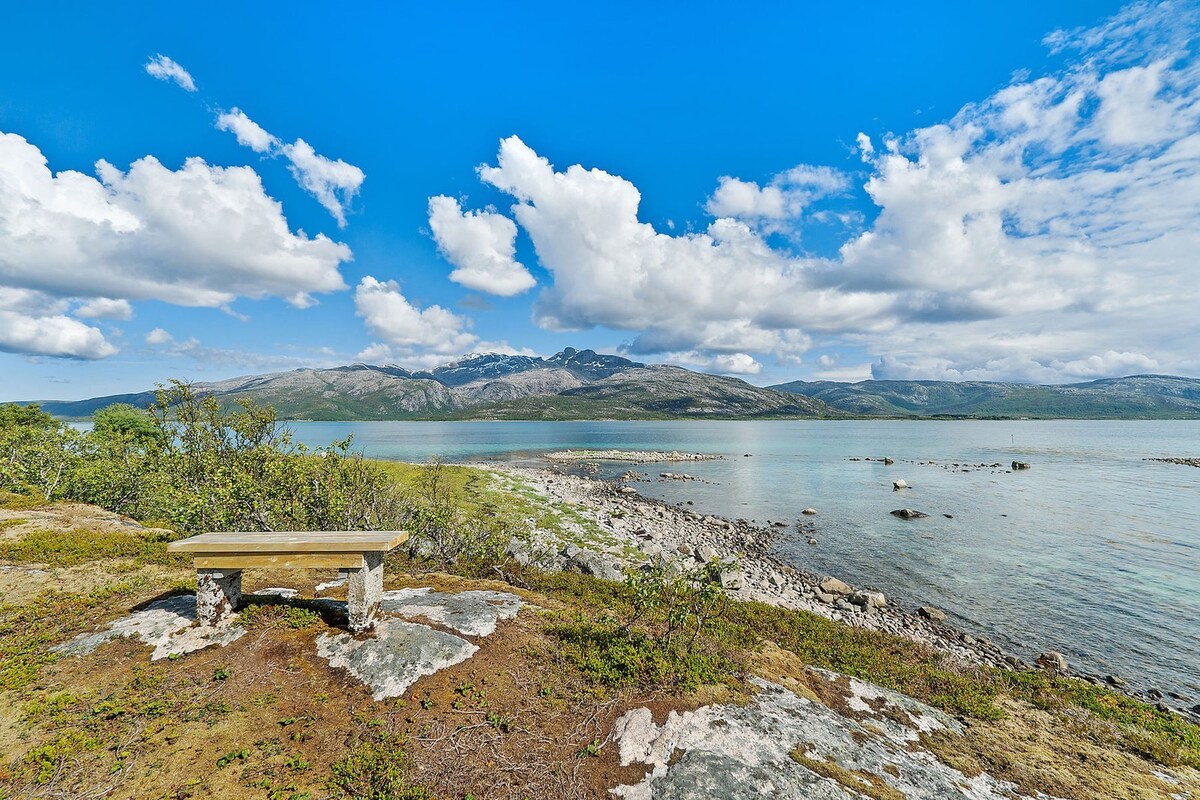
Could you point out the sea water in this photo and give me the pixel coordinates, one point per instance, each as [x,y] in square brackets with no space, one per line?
[1094,551]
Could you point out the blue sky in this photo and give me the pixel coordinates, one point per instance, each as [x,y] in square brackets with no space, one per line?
[939,190]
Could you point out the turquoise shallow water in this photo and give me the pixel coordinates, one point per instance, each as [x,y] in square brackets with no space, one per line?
[1093,551]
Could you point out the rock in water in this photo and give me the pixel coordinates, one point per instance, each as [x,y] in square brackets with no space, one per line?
[1052,662]
[935,614]
[1020,465]
[887,462]
[898,485]
[831,585]
[908,513]
[808,512]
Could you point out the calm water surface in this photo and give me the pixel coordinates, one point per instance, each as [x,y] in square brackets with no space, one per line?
[1093,551]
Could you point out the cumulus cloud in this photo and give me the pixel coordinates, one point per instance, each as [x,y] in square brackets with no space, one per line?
[32,323]
[197,236]
[786,196]
[165,69]
[159,337]
[481,245]
[404,330]
[1047,232]
[248,132]
[105,308]
[333,183]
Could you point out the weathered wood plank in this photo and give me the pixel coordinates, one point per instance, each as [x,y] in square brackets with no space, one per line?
[227,543]
[279,560]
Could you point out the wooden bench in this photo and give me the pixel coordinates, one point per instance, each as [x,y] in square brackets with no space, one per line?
[221,557]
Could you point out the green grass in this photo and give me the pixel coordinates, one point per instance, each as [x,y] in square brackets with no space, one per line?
[377,767]
[71,548]
[28,631]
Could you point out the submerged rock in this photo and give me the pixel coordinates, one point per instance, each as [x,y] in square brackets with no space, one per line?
[908,513]
[1020,465]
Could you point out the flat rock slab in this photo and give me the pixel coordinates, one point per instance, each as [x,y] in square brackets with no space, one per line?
[166,625]
[395,655]
[472,613]
[742,752]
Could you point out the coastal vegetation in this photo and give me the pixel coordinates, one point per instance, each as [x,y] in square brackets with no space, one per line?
[264,718]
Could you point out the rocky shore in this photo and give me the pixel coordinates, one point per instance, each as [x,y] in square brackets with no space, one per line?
[628,529]
[631,456]
[1183,462]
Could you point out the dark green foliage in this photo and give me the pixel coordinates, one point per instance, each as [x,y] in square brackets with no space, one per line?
[70,548]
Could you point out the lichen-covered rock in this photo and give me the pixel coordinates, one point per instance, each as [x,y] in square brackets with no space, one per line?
[765,749]
[473,613]
[395,655]
[167,625]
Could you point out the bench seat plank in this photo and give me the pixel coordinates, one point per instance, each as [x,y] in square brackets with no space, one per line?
[291,542]
[280,560]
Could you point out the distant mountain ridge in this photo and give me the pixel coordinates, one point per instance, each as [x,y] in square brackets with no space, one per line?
[572,384]
[584,384]
[1132,397]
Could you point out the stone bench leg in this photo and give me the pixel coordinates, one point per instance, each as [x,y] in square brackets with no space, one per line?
[365,589]
[218,592]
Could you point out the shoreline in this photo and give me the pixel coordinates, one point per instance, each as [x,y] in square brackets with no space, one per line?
[644,528]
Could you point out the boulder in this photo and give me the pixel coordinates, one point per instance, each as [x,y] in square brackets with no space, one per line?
[868,599]
[898,485]
[908,513]
[1020,465]
[931,613]
[731,578]
[831,585]
[809,512]
[706,554]
[597,565]
[1052,662]
[825,597]
[627,490]
[887,462]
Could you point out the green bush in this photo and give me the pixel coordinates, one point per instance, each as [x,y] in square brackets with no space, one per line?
[376,768]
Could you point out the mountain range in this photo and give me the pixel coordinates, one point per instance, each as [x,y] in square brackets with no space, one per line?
[583,384]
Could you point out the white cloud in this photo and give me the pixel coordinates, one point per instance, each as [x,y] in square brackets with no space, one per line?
[785,197]
[1047,232]
[197,236]
[105,308]
[32,323]
[159,337]
[405,330]
[165,69]
[334,183]
[481,245]
[248,132]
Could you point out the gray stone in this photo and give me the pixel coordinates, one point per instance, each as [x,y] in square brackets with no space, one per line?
[731,578]
[685,549]
[706,554]
[825,597]
[868,599]
[364,590]
[218,593]
[1020,465]
[743,752]
[831,585]
[597,565]
[473,613]
[809,512]
[395,655]
[898,485]
[1052,662]
[935,614]
[908,513]
[167,625]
